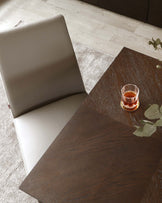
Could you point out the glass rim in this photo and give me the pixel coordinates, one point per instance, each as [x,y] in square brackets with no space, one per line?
[132,85]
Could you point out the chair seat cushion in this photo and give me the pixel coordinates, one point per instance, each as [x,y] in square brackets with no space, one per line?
[37,129]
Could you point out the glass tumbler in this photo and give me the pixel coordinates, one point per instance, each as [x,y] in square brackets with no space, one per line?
[130,97]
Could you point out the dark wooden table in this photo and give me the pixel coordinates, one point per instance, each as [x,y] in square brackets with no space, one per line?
[96,158]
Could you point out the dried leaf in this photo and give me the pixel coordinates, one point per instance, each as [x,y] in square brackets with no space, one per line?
[150,43]
[153,112]
[153,40]
[156,43]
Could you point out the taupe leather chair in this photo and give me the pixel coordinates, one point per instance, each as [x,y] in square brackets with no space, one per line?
[42,81]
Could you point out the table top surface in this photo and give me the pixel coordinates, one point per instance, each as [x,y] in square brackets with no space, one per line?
[96,158]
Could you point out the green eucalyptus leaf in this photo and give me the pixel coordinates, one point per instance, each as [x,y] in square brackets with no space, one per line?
[153,112]
[158,123]
[146,121]
[149,129]
[161,109]
[138,132]
[146,131]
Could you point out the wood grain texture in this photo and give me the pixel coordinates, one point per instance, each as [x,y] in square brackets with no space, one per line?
[154,190]
[96,158]
[128,67]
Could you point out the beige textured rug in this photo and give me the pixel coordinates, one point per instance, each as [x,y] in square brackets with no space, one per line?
[92,65]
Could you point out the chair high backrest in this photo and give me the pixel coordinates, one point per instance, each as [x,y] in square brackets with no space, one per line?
[38,65]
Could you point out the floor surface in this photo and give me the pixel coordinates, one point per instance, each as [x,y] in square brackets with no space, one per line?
[97,28]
